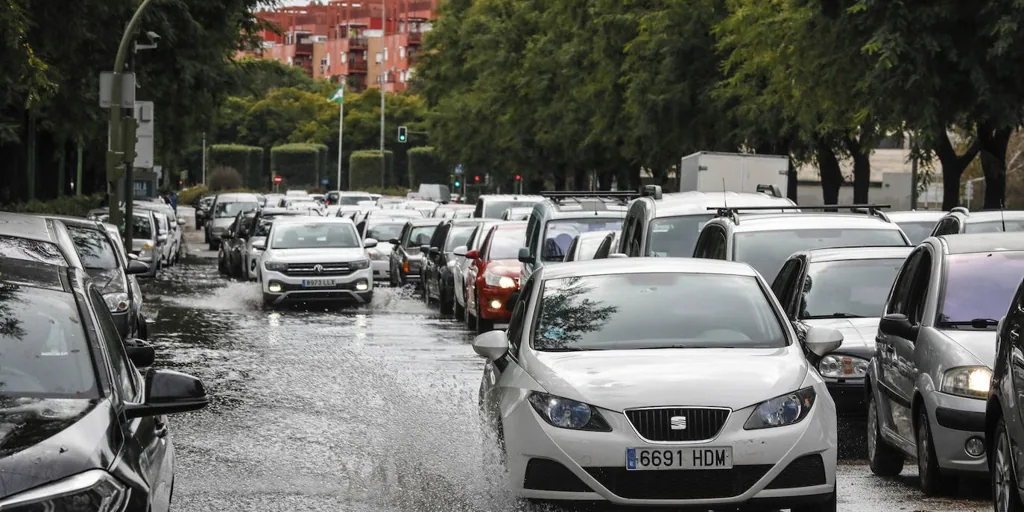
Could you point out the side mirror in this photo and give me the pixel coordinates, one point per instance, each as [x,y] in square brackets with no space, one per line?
[434,251]
[393,241]
[460,251]
[513,298]
[526,257]
[133,256]
[472,255]
[897,325]
[163,239]
[259,244]
[169,392]
[822,340]
[141,353]
[492,344]
[181,222]
[369,243]
[425,249]
[136,267]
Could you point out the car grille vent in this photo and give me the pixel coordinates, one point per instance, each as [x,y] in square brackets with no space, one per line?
[318,269]
[700,424]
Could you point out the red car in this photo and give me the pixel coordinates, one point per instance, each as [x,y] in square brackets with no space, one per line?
[497,267]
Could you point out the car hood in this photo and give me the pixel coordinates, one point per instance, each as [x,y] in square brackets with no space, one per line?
[623,379]
[981,344]
[384,247]
[222,222]
[858,333]
[316,255]
[43,440]
[107,281]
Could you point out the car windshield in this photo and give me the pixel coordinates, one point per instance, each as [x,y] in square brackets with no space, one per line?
[766,251]
[847,289]
[315,235]
[231,209]
[995,226]
[458,236]
[639,311]
[675,236]
[94,248]
[506,242]
[43,346]
[495,209]
[420,235]
[353,200]
[384,232]
[560,234]
[980,286]
[30,250]
[917,231]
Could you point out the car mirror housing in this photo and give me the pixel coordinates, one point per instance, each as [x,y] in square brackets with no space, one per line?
[141,353]
[823,340]
[163,239]
[181,222]
[460,251]
[492,344]
[434,251]
[169,392]
[259,245]
[393,241]
[473,255]
[425,249]
[525,256]
[369,243]
[137,267]
[897,324]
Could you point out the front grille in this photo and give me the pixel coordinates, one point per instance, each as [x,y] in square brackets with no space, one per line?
[806,471]
[311,269]
[548,475]
[679,484]
[656,424]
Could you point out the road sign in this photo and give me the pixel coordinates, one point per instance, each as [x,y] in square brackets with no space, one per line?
[458,169]
[277,179]
[323,181]
[144,134]
[127,89]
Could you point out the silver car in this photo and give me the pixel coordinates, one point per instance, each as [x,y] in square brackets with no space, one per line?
[935,349]
[222,214]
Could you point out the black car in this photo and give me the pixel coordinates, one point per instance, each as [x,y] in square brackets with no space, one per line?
[438,279]
[107,263]
[230,253]
[84,429]
[406,258]
[202,207]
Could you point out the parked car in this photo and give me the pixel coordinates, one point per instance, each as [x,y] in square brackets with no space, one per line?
[97,426]
[461,274]
[383,230]
[406,257]
[202,208]
[935,349]
[315,259]
[604,389]
[347,198]
[438,281]
[842,289]
[424,207]
[917,224]
[493,206]
[147,244]
[450,211]
[1004,432]
[169,225]
[494,276]
[584,246]
[261,228]
[230,258]
[222,214]
[961,220]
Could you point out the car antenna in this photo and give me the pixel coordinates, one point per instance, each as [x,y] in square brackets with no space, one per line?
[1002,216]
[725,201]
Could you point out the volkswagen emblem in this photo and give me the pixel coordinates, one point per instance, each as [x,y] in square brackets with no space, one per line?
[678,422]
[319,269]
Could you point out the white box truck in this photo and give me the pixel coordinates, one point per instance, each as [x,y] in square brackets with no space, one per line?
[734,172]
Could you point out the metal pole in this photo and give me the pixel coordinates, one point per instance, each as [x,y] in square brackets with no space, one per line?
[913,175]
[341,131]
[204,159]
[383,71]
[115,152]
[78,179]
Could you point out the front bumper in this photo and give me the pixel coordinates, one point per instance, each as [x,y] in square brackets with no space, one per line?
[347,288]
[954,420]
[849,396]
[594,463]
[492,303]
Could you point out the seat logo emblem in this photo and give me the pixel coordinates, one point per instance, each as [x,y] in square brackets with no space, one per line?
[319,269]
[678,422]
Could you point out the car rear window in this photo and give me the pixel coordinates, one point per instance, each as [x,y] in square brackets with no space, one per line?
[767,251]
[458,236]
[495,209]
[980,286]
[353,200]
[641,311]
[560,234]
[31,250]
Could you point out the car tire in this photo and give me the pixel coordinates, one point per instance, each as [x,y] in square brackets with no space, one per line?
[445,306]
[214,245]
[1005,495]
[883,459]
[828,505]
[393,278]
[221,266]
[933,481]
[468,316]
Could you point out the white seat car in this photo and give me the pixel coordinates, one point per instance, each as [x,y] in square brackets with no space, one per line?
[307,259]
[630,381]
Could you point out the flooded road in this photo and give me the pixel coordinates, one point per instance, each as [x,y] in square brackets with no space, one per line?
[363,409]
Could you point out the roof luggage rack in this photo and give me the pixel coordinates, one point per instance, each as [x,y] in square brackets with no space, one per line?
[578,197]
[870,209]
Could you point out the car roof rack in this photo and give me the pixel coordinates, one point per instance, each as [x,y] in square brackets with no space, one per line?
[870,209]
[578,197]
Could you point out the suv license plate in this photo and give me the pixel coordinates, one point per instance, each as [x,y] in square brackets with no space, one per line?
[318,283]
[647,459]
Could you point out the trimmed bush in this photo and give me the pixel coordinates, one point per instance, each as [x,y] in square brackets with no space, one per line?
[300,165]
[76,206]
[187,197]
[224,178]
[364,168]
[247,160]
[425,166]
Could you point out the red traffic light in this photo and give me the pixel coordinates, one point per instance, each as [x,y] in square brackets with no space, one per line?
[476,178]
[518,177]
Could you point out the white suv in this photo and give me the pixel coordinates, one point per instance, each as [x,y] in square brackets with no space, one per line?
[315,259]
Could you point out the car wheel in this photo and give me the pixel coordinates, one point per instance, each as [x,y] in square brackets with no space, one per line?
[1004,478]
[214,245]
[933,482]
[468,315]
[883,459]
[221,266]
[443,304]
[828,505]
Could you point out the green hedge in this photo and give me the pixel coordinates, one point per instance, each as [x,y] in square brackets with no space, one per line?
[364,168]
[77,206]
[247,160]
[300,165]
[425,166]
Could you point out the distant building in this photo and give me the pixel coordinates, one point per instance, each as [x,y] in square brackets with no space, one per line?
[343,39]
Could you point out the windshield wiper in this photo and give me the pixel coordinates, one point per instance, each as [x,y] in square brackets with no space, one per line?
[977,323]
[833,315]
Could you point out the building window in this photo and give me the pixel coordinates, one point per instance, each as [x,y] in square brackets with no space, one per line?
[385,54]
[401,52]
[344,58]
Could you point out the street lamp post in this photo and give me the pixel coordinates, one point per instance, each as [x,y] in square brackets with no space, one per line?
[383,71]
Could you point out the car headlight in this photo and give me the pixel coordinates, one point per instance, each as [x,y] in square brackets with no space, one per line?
[275,266]
[374,254]
[565,413]
[94,491]
[360,265]
[499,280]
[116,302]
[147,252]
[780,411]
[967,381]
[838,366]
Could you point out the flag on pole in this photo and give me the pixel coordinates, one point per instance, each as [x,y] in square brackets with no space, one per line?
[338,96]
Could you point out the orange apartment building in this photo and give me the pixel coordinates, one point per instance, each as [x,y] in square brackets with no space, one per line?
[341,38]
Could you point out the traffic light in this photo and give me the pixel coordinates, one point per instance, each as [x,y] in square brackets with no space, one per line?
[476,178]
[403,134]
[457,183]
[519,178]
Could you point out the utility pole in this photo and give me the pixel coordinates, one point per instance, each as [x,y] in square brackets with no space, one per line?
[913,174]
[383,72]
[204,159]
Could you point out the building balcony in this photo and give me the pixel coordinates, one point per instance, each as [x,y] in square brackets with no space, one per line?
[304,49]
[358,43]
[357,66]
[415,38]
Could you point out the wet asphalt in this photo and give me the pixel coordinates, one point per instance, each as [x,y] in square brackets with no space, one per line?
[369,408]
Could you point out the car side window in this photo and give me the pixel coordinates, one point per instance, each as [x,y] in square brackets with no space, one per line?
[627,231]
[784,284]
[918,296]
[532,227]
[636,242]
[900,295]
[117,355]
[716,248]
